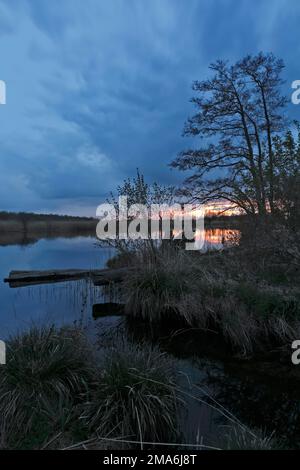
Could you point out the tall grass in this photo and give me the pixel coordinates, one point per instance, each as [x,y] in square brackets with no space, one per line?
[53,395]
[52,386]
[133,397]
[182,288]
[46,371]
[237,438]
[163,288]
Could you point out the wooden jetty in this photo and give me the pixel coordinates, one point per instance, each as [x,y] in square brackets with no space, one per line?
[99,277]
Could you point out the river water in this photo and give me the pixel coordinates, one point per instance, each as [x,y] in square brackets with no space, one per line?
[57,303]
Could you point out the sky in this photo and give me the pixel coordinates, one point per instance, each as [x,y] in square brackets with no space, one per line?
[98,88]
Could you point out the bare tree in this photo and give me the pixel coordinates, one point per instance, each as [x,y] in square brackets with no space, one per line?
[138,191]
[239,111]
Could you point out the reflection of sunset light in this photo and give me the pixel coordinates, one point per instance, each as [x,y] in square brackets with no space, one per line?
[217,236]
[213,238]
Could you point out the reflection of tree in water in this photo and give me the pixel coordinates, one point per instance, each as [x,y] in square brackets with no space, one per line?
[16,238]
[259,405]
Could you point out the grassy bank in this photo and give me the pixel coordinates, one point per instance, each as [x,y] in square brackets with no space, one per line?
[57,393]
[54,387]
[249,294]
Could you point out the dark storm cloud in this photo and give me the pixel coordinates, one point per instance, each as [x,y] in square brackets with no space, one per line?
[96,89]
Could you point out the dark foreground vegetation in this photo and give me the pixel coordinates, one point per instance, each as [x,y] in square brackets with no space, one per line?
[57,392]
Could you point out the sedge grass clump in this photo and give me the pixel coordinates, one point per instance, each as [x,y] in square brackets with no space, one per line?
[239,328]
[46,371]
[133,397]
[163,288]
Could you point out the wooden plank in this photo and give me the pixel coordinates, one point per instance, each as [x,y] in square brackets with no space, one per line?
[98,276]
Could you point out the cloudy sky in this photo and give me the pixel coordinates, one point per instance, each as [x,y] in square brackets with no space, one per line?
[97,88]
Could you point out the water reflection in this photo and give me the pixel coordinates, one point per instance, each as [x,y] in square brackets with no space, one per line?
[53,303]
[217,391]
[211,236]
[219,237]
[258,401]
[62,302]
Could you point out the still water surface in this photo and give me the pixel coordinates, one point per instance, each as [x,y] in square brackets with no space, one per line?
[57,303]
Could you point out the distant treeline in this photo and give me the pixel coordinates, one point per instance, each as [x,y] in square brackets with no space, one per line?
[31,216]
[26,227]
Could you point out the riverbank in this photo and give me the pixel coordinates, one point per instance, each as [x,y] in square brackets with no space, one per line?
[59,392]
[248,295]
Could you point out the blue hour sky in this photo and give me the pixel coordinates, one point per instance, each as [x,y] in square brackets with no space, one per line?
[97,88]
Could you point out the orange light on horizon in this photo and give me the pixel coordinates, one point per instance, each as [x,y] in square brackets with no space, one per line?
[220,207]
